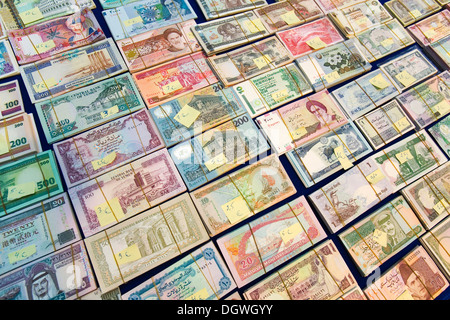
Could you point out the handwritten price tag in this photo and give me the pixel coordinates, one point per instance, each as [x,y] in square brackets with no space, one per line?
[379,81]
[45,85]
[45,46]
[340,155]
[332,76]
[290,17]
[441,206]
[415,13]
[187,115]
[290,232]
[262,61]
[130,254]
[299,133]
[3,144]
[316,43]
[97,164]
[380,237]
[430,33]
[442,107]
[375,176]
[21,190]
[236,209]
[280,95]
[109,212]
[31,15]
[109,112]
[402,124]
[22,254]
[387,43]
[171,87]
[216,162]
[406,295]
[254,25]
[405,78]
[199,295]
[404,156]
[130,22]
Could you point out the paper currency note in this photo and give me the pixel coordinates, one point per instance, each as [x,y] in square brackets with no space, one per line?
[213,9]
[8,63]
[218,150]
[28,180]
[107,147]
[408,12]
[249,61]
[332,65]
[319,274]
[18,137]
[225,33]
[384,124]
[378,237]
[44,40]
[62,275]
[109,4]
[201,275]
[207,108]
[272,89]
[265,243]
[430,196]
[298,40]
[415,277]
[328,5]
[441,133]
[71,70]
[428,101]
[125,191]
[243,193]
[11,99]
[143,242]
[21,14]
[431,29]
[36,231]
[318,159]
[88,107]
[440,51]
[435,242]
[172,79]
[384,39]
[153,47]
[301,121]
[365,93]
[140,16]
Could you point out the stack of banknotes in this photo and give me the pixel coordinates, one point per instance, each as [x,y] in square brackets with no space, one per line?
[440,132]
[409,12]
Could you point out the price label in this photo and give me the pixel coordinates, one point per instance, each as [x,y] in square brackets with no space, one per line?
[22,254]
[109,212]
[375,176]
[405,78]
[109,112]
[442,107]
[316,43]
[130,254]
[280,95]
[299,133]
[97,164]
[45,85]
[379,81]
[387,43]
[45,46]
[290,17]
[415,13]
[441,206]
[406,295]
[340,155]
[380,237]
[4,145]
[430,33]
[402,124]
[171,87]
[199,295]
[289,233]
[254,25]
[332,76]
[187,115]
[404,156]
[130,22]
[21,190]
[262,61]
[216,162]
[236,210]
[31,15]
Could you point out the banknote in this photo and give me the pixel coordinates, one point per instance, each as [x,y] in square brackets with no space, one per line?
[428,101]
[430,196]
[384,124]
[8,63]
[141,243]
[65,274]
[409,69]
[379,236]
[332,65]
[138,17]
[88,107]
[431,29]
[213,9]
[415,277]
[272,89]
[354,294]
[319,274]
[44,40]
[153,47]
[29,180]
[408,12]
[201,275]
[243,193]
[270,240]
[329,5]
[249,61]
[286,14]
[309,37]
[384,39]
[206,108]
[169,80]
[439,52]
[21,14]
[109,4]
[318,159]
[365,93]
[354,19]
[11,99]
[99,295]
[18,137]
[301,121]
[436,243]
[218,150]
[409,159]
[339,205]
[225,33]
[104,148]
[126,191]
[36,231]
[72,69]
[441,134]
